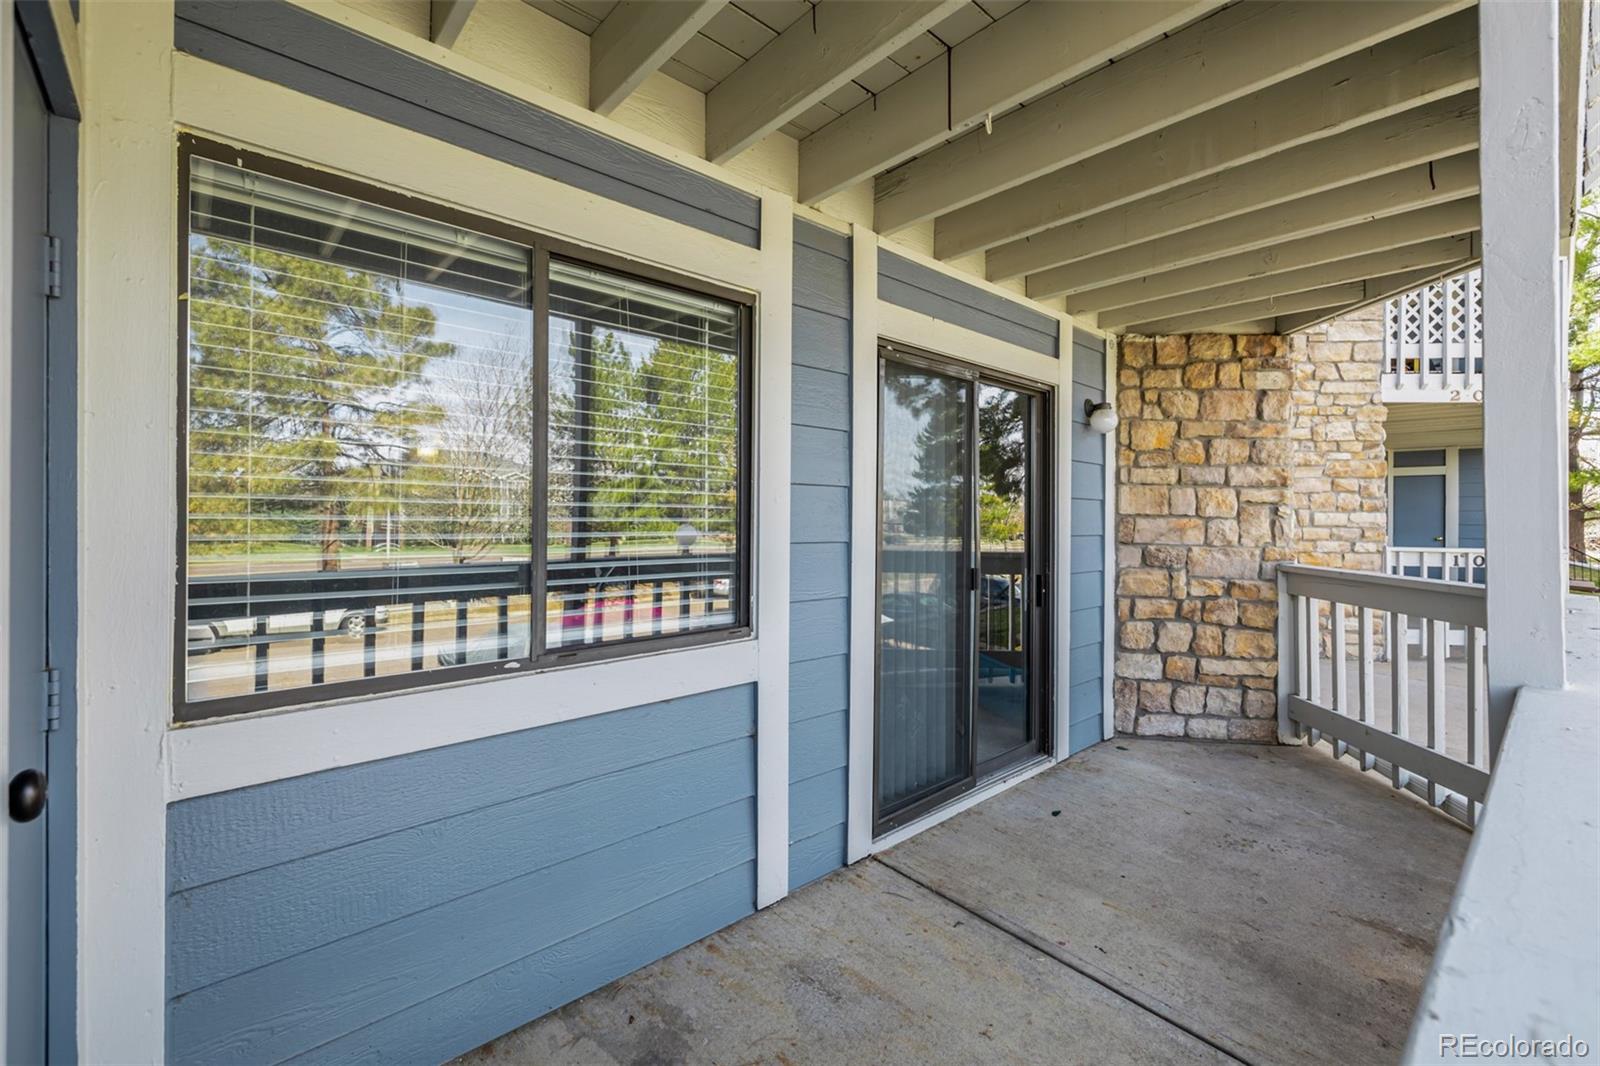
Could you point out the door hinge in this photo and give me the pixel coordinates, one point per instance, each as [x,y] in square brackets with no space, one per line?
[52,267]
[52,700]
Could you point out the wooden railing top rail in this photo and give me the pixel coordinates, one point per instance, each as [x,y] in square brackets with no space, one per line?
[1444,601]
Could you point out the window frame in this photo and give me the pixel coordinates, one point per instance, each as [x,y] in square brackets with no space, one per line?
[541,248]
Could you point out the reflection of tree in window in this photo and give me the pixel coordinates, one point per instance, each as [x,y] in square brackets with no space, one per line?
[1002,465]
[303,383]
[469,485]
[936,504]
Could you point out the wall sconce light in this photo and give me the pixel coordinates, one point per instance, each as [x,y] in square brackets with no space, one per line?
[1102,416]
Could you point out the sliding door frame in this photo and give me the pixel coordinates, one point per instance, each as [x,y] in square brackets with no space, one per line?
[1039,576]
[1040,559]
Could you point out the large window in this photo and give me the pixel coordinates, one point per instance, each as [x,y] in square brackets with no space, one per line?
[417,447]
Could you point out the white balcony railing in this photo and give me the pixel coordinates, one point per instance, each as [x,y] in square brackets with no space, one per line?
[1468,565]
[1341,679]
[1433,342]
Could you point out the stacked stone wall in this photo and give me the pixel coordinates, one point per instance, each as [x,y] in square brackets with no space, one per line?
[1205,477]
[1340,466]
[1236,453]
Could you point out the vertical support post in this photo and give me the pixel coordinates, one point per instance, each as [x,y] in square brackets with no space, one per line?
[1525,405]
[863,537]
[774,387]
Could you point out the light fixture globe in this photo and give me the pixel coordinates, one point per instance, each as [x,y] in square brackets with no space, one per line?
[1102,416]
[687,535]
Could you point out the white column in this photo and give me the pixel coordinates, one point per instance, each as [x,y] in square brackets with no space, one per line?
[128,523]
[1525,397]
[774,404]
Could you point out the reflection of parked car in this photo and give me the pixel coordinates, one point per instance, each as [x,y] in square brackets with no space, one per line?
[996,590]
[916,618]
[352,623]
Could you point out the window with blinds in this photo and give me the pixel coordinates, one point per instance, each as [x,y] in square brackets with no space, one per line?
[371,464]
[644,528]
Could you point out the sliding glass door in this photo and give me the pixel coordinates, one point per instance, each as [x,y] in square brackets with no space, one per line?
[960,582]
[924,554]
[1007,710]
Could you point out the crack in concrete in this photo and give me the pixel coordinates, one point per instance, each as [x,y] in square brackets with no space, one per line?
[1162,1010]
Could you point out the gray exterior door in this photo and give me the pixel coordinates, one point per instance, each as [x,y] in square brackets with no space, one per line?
[24,621]
[1418,511]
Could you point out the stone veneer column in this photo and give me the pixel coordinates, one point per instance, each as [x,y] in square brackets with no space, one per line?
[1340,466]
[1204,477]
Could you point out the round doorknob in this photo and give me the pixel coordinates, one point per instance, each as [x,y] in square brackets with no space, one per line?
[27,795]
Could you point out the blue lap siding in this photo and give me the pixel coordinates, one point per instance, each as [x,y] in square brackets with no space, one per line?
[412,908]
[819,561]
[921,288]
[418,906]
[1087,548]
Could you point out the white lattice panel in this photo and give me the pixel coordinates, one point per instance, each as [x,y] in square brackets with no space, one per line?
[1433,341]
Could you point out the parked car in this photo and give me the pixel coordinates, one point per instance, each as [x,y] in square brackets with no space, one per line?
[348,622]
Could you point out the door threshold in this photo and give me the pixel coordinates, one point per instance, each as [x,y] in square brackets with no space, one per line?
[999,783]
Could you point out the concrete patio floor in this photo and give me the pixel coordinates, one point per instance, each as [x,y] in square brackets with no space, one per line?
[1147,901]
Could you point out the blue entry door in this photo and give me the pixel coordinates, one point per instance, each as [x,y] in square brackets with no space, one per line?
[1418,511]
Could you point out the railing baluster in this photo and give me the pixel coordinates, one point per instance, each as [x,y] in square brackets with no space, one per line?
[369,642]
[502,627]
[261,653]
[1477,732]
[1313,656]
[1437,638]
[1364,677]
[1341,673]
[1301,689]
[461,632]
[419,623]
[316,647]
[1399,689]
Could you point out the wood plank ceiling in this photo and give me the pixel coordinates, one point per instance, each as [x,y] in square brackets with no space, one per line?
[1166,165]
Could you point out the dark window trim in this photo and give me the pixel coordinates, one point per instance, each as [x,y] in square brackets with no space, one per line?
[541,248]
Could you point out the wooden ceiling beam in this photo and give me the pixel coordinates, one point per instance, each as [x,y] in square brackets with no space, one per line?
[1364,238]
[811,59]
[1350,294]
[1455,178]
[1389,81]
[635,39]
[1410,139]
[1375,290]
[1437,252]
[1235,52]
[447,18]
[1029,51]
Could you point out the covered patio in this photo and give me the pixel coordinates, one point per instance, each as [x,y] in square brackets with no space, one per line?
[1146,900]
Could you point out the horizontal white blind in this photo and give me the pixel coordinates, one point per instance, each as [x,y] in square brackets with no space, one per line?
[644,507]
[360,449]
